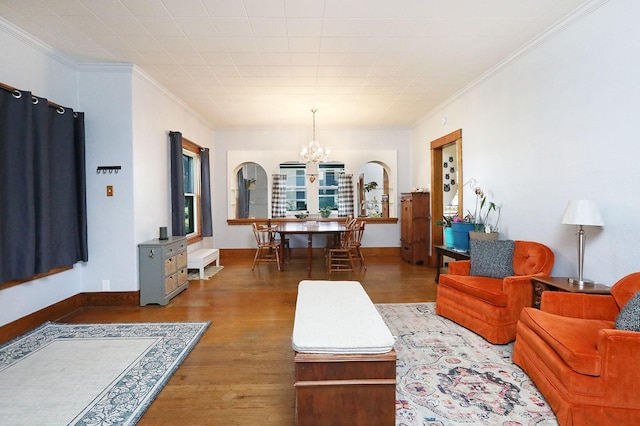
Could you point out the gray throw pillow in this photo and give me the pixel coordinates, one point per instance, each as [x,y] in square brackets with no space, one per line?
[629,316]
[492,258]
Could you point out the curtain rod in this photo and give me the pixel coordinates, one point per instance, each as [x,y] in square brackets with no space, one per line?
[13,89]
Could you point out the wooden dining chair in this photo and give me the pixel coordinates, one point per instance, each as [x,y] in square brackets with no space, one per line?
[340,258]
[356,242]
[268,250]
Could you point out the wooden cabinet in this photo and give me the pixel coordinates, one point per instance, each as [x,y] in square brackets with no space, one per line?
[163,269]
[414,224]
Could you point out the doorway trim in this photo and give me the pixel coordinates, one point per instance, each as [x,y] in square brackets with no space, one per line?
[437,198]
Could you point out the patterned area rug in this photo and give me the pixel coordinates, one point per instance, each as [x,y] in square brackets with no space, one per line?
[448,375]
[90,374]
[209,271]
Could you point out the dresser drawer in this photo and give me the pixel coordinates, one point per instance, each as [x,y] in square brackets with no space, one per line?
[170,265]
[181,260]
[170,283]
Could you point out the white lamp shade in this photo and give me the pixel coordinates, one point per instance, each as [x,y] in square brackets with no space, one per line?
[582,212]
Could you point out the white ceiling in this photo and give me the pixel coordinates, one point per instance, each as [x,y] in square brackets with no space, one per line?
[268,62]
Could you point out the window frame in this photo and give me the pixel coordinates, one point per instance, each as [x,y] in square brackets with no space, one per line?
[296,189]
[193,150]
[337,168]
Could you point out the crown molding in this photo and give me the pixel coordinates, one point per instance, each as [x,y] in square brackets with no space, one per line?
[561,26]
[37,44]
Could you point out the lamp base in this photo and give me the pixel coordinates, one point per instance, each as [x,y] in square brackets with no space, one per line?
[581,282]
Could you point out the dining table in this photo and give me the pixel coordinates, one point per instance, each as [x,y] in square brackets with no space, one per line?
[309,228]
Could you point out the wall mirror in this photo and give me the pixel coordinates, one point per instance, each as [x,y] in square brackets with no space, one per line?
[373,190]
[252,193]
[446,186]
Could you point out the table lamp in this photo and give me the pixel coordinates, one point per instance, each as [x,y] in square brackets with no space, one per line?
[581,213]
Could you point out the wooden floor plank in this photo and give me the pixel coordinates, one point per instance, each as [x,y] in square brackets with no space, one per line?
[242,370]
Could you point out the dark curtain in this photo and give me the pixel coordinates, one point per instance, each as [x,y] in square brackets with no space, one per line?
[43,211]
[243,196]
[205,193]
[177,185]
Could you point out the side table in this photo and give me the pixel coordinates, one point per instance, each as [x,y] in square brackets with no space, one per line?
[541,284]
[449,252]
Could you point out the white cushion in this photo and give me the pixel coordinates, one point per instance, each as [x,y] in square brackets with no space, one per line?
[337,317]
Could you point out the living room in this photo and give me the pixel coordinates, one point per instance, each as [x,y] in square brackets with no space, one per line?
[550,123]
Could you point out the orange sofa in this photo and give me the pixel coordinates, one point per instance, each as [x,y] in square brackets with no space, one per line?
[587,370]
[491,306]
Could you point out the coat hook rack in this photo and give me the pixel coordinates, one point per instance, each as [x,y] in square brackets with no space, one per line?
[110,169]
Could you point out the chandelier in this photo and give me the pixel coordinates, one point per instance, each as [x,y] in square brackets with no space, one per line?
[313,152]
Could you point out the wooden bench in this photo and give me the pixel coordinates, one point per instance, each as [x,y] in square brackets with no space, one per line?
[345,365]
[200,258]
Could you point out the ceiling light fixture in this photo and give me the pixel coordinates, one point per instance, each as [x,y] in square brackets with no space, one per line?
[313,152]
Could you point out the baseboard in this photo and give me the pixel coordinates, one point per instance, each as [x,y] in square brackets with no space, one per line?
[65,307]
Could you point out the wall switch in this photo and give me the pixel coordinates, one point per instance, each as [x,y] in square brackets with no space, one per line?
[106,285]
[109,190]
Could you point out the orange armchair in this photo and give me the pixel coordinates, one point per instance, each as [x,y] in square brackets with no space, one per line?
[491,306]
[585,368]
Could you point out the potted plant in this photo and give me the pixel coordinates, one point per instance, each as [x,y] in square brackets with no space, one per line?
[461,228]
[326,211]
[484,229]
[447,230]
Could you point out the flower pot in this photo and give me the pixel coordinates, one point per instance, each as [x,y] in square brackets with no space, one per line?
[461,235]
[448,237]
[481,235]
[325,214]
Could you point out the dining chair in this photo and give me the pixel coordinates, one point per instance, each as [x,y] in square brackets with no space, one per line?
[268,250]
[356,242]
[340,258]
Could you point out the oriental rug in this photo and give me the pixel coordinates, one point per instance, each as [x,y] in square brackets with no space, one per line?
[448,375]
[90,374]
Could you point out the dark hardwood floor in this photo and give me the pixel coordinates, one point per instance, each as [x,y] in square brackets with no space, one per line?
[242,371]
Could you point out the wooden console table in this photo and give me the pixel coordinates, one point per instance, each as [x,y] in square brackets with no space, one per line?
[541,284]
[449,252]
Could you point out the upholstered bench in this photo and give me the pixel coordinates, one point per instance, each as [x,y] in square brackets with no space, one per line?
[201,258]
[345,363]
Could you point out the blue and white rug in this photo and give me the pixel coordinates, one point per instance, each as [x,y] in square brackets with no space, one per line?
[90,374]
[449,376]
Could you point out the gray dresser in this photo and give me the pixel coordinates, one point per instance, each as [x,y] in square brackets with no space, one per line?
[163,269]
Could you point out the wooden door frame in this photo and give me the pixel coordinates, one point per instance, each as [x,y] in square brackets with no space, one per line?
[437,197]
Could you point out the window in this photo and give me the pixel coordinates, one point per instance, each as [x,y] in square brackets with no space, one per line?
[191,171]
[296,186]
[328,185]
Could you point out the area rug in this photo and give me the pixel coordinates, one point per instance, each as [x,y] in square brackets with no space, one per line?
[448,375]
[209,271]
[90,374]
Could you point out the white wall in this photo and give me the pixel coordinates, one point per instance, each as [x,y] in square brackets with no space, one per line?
[353,146]
[558,123]
[31,66]
[127,119]
[155,113]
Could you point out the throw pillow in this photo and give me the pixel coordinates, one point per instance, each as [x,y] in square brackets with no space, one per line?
[629,316]
[492,258]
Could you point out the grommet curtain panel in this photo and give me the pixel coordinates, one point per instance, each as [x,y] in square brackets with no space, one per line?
[205,193]
[43,209]
[178,227]
[345,195]
[279,196]
[177,185]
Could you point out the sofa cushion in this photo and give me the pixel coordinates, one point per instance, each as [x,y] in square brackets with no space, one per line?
[492,258]
[486,289]
[629,316]
[575,340]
